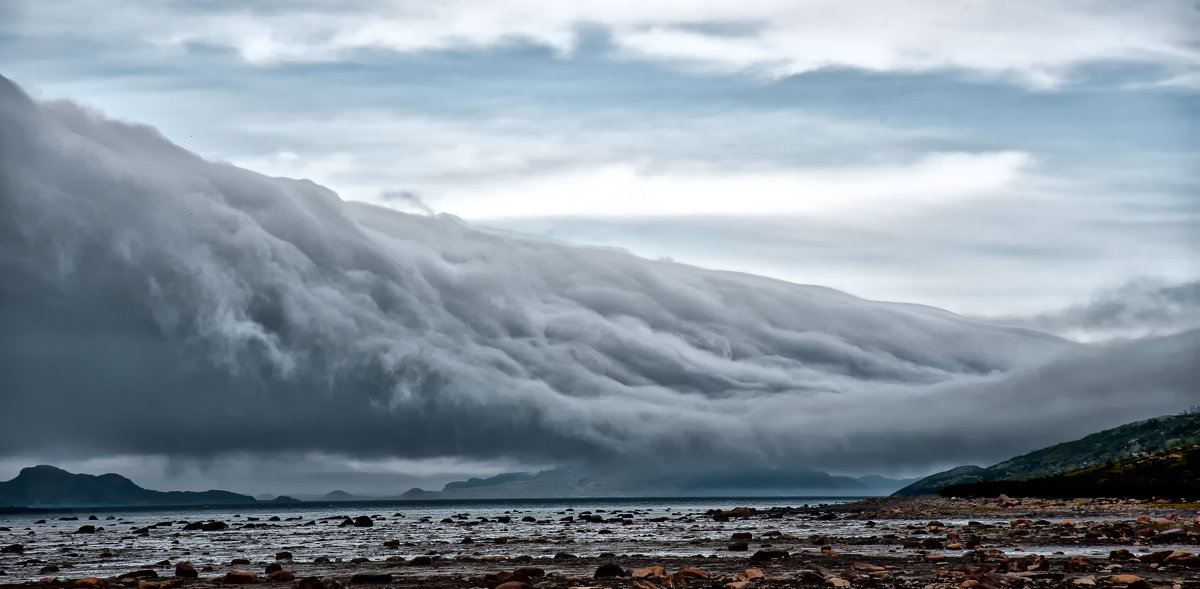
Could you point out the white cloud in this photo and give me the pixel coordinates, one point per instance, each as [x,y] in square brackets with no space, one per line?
[624,190]
[1037,44]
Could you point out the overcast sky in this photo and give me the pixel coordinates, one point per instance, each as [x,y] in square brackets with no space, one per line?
[991,158]
[1028,163]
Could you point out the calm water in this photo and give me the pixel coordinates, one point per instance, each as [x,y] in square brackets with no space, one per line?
[311,530]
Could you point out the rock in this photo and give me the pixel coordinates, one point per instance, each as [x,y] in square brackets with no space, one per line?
[514,585]
[420,561]
[1120,554]
[281,576]
[363,521]
[50,568]
[1077,564]
[1181,558]
[768,554]
[532,572]
[283,555]
[934,558]
[391,544]
[868,568]
[564,556]
[272,568]
[330,583]
[185,570]
[359,560]
[238,561]
[346,523]
[140,574]
[931,543]
[1159,556]
[213,526]
[987,555]
[89,583]
[309,583]
[239,578]
[837,582]
[86,530]
[1124,579]
[742,536]
[500,540]
[13,549]
[751,575]
[609,569]
[371,578]
[739,585]
[738,547]
[690,573]
[651,571]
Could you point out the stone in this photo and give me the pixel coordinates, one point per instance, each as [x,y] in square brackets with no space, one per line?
[564,556]
[238,561]
[868,568]
[609,569]
[13,549]
[1124,579]
[738,547]
[751,575]
[330,583]
[532,572]
[140,574]
[283,555]
[281,576]
[514,585]
[185,570]
[89,583]
[1077,564]
[742,536]
[739,585]
[768,554]
[86,530]
[309,583]
[392,544]
[363,521]
[837,582]
[371,578]
[213,526]
[651,571]
[1120,554]
[691,573]
[239,578]
[420,561]
[272,568]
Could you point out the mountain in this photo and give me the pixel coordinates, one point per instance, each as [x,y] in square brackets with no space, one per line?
[48,486]
[1173,474]
[340,495]
[1120,443]
[568,483]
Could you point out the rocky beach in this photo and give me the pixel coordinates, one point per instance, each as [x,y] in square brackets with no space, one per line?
[911,542]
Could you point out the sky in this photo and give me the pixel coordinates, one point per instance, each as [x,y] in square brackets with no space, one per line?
[487,165]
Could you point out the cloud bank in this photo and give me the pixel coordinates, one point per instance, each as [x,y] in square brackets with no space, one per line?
[1040,45]
[152,302]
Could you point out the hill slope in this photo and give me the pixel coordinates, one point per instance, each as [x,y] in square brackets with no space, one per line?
[1168,474]
[47,486]
[1119,443]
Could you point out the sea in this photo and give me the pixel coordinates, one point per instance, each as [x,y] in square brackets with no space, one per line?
[314,530]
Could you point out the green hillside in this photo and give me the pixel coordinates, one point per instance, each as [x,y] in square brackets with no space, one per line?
[1127,441]
[1171,474]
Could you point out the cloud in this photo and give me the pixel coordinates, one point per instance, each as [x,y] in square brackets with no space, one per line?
[1040,45]
[1137,309]
[154,302]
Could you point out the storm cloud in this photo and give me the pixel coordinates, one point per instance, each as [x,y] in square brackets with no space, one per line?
[153,302]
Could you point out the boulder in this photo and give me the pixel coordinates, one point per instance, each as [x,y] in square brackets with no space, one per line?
[140,574]
[309,583]
[532,572]
[363,521]
[13,549]
[652,571]
[768,555]
[750,575]
[185,570]
[371,579]
[239,578]
[89,583]
[213,526]
[609,569]
[273,567]
[738,547]
[283,555]
[742,536]
[86,530]
[420,561]
[281,576]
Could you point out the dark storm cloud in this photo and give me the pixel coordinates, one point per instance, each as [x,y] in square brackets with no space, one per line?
[152,302]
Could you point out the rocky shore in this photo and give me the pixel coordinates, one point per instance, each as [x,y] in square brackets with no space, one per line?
[925,542]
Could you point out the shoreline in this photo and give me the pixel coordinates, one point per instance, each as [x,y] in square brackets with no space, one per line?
[880,542]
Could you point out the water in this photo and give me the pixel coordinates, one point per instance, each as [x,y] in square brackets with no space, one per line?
[311,530]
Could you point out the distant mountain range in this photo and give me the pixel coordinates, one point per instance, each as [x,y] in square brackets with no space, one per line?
[1131,441]
[48,486]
